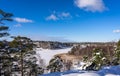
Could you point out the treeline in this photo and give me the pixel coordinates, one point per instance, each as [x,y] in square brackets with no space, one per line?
[108,50]
[60,45]
[51,44]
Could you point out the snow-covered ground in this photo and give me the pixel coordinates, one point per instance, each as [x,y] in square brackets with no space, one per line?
[47,54]
[83,74]
[105,71]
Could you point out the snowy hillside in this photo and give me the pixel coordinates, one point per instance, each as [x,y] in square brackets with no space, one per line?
[105,71]
[47,54]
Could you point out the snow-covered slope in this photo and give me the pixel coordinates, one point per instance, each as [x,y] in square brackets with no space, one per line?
[105,71]
[48,54]
[83,74]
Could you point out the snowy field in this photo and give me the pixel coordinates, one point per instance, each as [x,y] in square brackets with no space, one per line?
[105,71]
[47,54]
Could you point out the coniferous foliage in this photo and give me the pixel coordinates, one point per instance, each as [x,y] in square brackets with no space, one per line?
[5,58]
[55,64]
[4,17]
[26,55]
[24,45]
[116,59]
[98,58]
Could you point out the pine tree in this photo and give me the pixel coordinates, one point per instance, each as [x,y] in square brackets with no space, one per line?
[5,59]
[116,60]
[98,60]
[55,64]
[4,17]
[24,45]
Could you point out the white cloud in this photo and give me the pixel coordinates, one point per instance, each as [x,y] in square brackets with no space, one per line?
[91,5]
[65,14]
[18,25]
[116,31]
[58,16]
[22,20]
[52,17]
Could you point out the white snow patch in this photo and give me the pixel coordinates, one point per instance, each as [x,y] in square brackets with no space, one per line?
[83,74]
[48,54]
[88,74]
[98,53]
[111,75]
[74,74]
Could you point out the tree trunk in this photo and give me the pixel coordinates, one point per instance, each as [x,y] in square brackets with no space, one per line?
[21,63]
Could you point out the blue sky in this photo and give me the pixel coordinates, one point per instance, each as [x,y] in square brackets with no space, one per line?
[64,20]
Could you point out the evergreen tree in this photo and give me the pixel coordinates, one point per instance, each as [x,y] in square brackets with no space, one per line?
[116,60]
[24,45]
[5,59]
[4,17]
[55,64]
[98,60]
[30,63]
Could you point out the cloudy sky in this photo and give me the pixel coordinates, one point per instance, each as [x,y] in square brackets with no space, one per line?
[64,20]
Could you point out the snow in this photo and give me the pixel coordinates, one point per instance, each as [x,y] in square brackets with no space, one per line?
[48,54]
[111,75]
[98,53]
[115,70]
[105,71]
[82,74]
[74,74]
[81,66]
[89,74]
